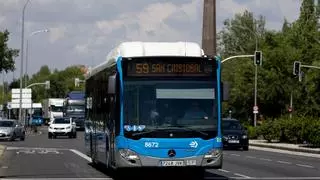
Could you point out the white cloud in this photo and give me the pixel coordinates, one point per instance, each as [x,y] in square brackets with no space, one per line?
[82,29]
[57,33]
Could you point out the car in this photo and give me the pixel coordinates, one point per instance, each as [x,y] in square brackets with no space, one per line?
[11,130]
[234,134]
[62,126]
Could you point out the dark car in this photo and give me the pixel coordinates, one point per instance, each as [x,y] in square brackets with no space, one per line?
[234,134]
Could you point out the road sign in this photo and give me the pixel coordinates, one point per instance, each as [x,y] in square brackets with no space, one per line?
[9,105]
[255,110]
[26,98]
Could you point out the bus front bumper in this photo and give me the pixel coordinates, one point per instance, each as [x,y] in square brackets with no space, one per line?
[128,159]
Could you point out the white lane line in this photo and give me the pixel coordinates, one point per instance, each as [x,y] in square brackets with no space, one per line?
[263,159]
[241,175]
[81,155]
[304,165]
[234,154]
[35,148]
[251,157]
[223,170]
[284,162]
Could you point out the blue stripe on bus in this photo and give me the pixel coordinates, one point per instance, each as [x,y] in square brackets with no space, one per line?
[218,61]
[119,68]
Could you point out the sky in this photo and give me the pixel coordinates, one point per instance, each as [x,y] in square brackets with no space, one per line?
[84,31]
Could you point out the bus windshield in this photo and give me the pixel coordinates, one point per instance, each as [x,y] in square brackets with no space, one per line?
[56,108]
[160,104]
[37,112]
[75,108]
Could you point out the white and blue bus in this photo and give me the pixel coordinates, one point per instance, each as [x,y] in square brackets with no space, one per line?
[155,104]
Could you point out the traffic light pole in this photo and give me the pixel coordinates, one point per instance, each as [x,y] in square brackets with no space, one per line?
[255,94]
[239,56]
[312,67]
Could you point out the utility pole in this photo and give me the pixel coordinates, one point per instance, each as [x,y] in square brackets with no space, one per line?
[209,44]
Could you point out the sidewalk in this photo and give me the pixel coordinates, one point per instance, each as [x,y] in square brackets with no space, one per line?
[284,146]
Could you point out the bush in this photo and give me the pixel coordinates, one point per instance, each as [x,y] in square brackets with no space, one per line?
[270,130]
[291,130]
[252,132]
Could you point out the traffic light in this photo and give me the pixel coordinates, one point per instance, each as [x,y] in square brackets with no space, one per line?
[296,68]
[47,84]
[258,58]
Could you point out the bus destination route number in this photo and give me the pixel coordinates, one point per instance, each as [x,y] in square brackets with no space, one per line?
[169,69]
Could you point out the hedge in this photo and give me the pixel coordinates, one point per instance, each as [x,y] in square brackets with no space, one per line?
[289,130]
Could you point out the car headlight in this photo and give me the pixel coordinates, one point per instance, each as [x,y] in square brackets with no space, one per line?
[128,154]
[68,127]
[213,153]
[225,137]
[50,127]
[244,137]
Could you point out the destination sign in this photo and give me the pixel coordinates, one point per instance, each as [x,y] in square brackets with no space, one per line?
[190,69]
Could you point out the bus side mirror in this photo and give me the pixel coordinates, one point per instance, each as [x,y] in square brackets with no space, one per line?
[225,91]
[112,84]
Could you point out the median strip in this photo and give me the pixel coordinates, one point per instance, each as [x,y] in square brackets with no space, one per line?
[282,146]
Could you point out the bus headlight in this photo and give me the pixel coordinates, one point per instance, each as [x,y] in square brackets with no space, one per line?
[128,154]
[212,153]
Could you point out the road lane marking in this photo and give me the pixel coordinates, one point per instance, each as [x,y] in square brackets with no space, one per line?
[304,165]
[251,157]
[234,154]
[263,159]
[241,175]
[35,148]
[284,162]
[223,170]
[81,154]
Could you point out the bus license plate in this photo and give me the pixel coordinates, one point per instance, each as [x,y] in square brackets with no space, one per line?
[172,163]
[233,141]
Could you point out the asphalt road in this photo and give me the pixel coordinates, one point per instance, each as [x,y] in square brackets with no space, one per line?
[40,157]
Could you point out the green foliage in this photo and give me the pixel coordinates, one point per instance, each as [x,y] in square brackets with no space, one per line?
[61,82]
[296,41]
[298,130]
[7,54]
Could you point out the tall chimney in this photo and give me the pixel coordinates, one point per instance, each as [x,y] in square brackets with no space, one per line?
[209,28]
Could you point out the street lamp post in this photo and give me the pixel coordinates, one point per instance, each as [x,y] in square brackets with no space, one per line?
[21,56]
[27,52]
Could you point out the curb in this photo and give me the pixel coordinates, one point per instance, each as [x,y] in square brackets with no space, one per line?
[305,150]
[2,150]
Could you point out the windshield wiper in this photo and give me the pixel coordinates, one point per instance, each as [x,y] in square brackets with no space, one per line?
[169,128]
[188,129]
[147,132]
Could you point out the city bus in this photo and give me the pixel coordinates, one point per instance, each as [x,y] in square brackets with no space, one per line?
[155,104]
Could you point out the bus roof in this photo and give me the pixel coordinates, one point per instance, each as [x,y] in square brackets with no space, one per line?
[141,49]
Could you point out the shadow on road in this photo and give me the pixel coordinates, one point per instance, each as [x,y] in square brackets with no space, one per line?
[148,174]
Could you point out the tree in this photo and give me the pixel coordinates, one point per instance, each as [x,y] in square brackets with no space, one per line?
[296,41]
[7,54]
[239,37]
